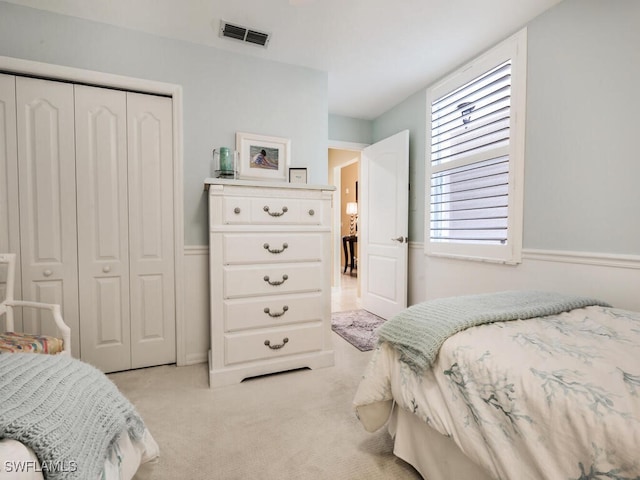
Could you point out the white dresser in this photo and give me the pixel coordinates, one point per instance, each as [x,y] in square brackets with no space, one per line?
[270,264]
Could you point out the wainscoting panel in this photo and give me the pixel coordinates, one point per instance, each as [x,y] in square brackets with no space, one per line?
[196,304]
[416,289]
[612,278]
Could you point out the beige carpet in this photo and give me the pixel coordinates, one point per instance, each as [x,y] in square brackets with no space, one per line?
[294,425]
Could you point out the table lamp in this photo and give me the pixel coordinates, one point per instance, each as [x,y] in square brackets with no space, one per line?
[352,209]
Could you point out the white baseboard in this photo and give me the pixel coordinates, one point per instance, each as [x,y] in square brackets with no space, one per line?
[195,358]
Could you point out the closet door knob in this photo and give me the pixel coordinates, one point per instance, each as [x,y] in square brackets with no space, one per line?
[106,269]
[47,273]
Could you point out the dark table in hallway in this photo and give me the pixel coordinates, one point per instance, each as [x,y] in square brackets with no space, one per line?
[349,246]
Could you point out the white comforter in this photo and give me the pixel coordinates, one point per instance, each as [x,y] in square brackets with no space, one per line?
[555,397]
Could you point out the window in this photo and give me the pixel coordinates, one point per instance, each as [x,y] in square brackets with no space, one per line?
[475,157]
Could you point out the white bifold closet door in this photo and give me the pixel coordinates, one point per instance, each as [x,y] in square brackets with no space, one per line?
[9,206]
[47,185]
[103,227]
[124,171]
[151,230]
[94,172]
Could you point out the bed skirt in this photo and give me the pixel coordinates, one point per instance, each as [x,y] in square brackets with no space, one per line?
[433,455]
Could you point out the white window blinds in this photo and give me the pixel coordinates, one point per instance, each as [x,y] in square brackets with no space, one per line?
[472,160]
[469,152]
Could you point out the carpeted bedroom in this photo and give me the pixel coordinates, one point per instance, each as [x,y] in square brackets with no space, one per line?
[319,239]
[298,424]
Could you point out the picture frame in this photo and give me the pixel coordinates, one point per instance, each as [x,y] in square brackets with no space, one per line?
[262,157]
[297,175]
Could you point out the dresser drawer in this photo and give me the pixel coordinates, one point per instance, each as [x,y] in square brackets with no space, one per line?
[262,312]
[250,346]
[272,211]
[271,247]
[247,281]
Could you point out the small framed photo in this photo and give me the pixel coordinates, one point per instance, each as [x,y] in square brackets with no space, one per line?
[262,157]
[298,175]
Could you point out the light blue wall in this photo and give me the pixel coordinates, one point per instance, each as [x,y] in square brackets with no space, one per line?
[348,129]
[409,115]
[582,167]
[223,92]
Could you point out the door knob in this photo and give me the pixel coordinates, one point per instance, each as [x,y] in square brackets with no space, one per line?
[400,239]
[106,269]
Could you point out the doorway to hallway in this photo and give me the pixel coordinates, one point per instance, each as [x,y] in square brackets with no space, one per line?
[343,170]
[345,297]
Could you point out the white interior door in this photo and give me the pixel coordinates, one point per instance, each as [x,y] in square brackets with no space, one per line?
[47,179]
[384,225]
[103,227]
[151,250]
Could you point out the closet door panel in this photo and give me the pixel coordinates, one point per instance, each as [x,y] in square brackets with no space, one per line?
[103,237]
[46,170]
[9,212]
[151,247]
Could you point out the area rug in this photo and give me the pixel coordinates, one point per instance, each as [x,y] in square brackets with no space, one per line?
[358,327]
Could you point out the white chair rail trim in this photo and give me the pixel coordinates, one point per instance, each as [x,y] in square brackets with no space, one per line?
[583,258]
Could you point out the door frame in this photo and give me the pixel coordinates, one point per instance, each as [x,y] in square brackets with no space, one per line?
[337,202]
[49,71]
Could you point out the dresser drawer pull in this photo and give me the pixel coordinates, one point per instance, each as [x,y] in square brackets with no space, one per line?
[276,347]
[236,210]
[276,283]
[276,315]
[275,214]
[276,250]
[312,212]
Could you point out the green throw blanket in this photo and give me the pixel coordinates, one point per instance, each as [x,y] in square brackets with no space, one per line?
[419,331]
[68,412]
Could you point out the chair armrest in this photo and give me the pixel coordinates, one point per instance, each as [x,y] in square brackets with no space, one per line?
[57,318]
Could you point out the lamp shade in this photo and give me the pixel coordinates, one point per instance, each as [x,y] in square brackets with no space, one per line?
[352,208]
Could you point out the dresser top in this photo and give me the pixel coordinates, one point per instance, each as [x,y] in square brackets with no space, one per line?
[253,183]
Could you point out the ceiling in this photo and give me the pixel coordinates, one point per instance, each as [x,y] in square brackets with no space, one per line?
[376,52]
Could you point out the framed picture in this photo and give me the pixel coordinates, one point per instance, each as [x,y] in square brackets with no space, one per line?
[262,157]
[298,175]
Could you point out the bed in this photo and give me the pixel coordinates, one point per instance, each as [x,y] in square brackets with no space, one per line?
[526,385]
[61,418]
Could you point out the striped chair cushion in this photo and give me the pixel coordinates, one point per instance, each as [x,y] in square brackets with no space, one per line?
[11,342]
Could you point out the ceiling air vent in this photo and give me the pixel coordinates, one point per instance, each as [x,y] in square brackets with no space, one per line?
[243,34]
